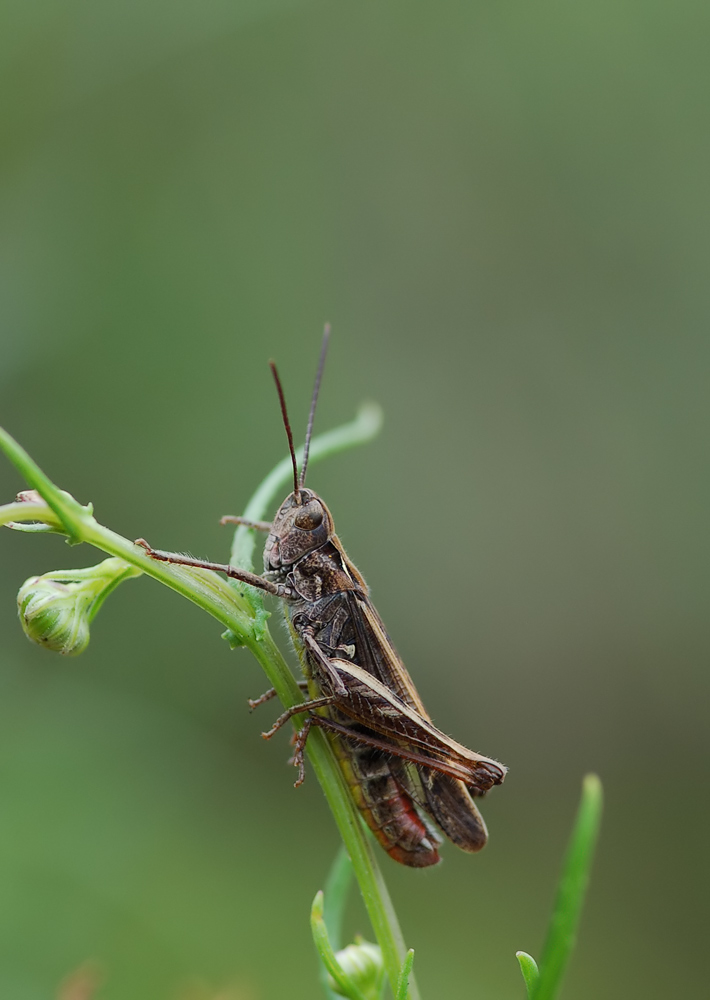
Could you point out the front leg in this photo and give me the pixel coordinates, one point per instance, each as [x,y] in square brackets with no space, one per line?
[243,575]
[327,668]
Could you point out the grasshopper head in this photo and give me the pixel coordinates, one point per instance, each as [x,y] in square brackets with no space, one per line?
[302,523]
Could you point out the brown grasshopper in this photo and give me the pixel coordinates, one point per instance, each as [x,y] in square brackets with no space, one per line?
[401,770]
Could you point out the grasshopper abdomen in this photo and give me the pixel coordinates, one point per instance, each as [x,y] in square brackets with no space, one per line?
[378,786]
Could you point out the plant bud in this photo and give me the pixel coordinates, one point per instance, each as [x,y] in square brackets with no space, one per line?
[54,614]
[56,609]
[362,963]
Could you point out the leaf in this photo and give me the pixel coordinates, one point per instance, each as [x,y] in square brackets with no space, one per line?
[571,890]
[403,984]
[325,949]
[337,887]
[529,969]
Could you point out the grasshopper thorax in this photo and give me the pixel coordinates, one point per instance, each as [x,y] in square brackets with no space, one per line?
[302,524]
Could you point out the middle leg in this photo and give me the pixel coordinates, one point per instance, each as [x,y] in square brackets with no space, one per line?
[305,706]
[271,693]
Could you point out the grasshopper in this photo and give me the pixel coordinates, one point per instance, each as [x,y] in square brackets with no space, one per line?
[403,772]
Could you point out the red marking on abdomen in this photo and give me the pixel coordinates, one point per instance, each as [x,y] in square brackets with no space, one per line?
[387,807]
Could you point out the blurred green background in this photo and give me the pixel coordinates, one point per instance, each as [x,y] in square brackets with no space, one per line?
[503,210]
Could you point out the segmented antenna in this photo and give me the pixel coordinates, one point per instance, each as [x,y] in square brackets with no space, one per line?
[314,400]
[287,425]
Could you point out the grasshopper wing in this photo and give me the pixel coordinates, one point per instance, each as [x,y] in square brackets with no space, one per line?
[449,803]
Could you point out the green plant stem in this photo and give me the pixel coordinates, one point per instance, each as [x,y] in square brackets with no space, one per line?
[235,611]
[127,573]
[357,842]
[64,507]
[10,512]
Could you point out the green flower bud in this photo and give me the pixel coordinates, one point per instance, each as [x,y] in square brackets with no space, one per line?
[363,965]
[56,609]
[54,614]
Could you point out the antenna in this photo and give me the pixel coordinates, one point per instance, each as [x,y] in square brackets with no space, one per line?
[314,400]
[287,425]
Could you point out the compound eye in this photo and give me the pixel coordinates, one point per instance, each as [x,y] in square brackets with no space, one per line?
[310,517]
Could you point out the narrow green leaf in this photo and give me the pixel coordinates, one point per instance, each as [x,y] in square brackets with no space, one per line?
[562,932]
[529,969]
[337,887]
[320,936]
[403,984]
